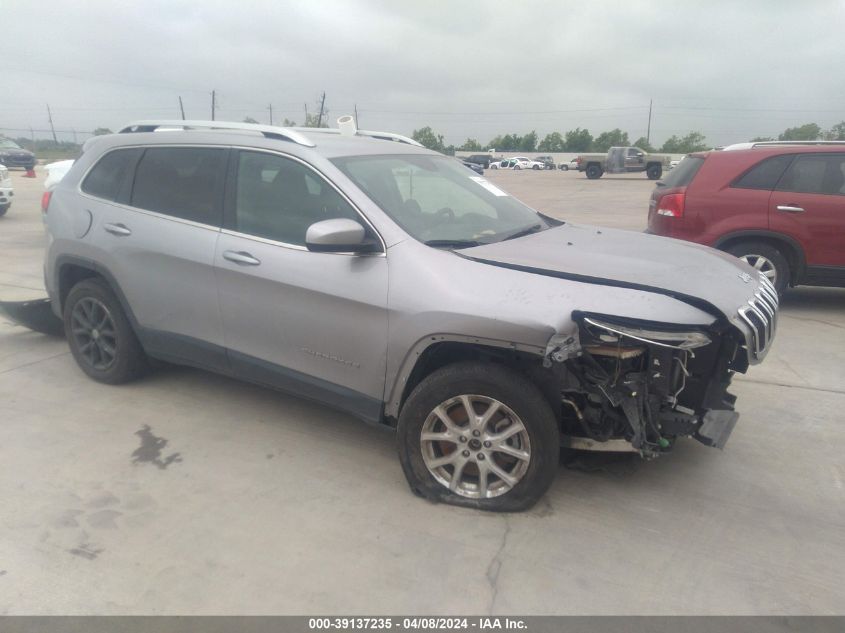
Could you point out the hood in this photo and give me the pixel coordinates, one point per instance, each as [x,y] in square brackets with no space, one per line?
[16,153]
[700,276]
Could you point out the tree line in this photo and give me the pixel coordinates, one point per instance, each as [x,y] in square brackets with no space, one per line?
[581,140]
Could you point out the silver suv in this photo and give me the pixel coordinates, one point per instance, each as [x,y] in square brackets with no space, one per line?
[365,272]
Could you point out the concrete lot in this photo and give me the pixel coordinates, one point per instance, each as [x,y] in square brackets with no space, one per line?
[191,493]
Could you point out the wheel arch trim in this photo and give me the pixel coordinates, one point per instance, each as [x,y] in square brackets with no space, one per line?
[797,250]
[63,261]
[395,388]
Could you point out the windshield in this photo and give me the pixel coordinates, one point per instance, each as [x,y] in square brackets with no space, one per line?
[439,201]
[7,143]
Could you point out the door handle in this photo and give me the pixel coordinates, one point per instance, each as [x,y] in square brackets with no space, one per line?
[788,208]
[117,229]
[241,257]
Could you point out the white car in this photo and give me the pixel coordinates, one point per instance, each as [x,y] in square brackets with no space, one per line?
[6,191]
[55,172]
[517,162]
[529,163]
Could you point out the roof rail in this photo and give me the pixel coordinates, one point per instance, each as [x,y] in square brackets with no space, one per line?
[269,131]
[752,145]
[385,136]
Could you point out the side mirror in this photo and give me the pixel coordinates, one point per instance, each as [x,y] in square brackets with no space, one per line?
[339,235]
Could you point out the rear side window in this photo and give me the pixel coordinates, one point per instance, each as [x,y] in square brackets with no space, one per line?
[816,173]
[683,174]
[764,175]
[184,182]
[111,175]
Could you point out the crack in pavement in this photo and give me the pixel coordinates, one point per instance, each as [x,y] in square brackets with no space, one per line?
[798,318]
[495,566]
[783,384]
[35,362]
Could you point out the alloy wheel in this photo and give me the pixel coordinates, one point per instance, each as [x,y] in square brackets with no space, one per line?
[475,446]
[763,264]
[93,331]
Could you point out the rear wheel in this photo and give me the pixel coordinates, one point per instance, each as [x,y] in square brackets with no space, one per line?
[3,209]
[535,167]
[593,172]
[478,435]
[654,172]
[564,167]
[100,336]
[765,258]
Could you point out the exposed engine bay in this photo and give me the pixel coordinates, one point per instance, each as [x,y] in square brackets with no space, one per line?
[639,386]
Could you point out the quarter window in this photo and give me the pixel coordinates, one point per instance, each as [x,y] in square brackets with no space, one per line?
[764,175]
[185,182]
[109,176]
[278,198]
[816,173]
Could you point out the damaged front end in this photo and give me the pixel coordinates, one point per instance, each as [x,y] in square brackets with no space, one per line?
[631,385]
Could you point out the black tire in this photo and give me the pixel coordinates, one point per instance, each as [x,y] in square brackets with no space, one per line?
[129,360]
[517,167]
[564,167]
[536,167]
[752,251]
[3,209]
[512,390]
[594,171]
[654,172]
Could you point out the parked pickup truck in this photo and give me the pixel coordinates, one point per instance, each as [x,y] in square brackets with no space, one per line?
[621,160]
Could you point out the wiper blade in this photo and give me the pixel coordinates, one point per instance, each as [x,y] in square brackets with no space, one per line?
[451,243]
[531,229]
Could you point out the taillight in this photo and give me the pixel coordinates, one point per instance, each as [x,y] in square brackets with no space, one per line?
[672,204]
[45,200]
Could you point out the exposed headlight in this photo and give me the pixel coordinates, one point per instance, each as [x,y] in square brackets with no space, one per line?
[612,333]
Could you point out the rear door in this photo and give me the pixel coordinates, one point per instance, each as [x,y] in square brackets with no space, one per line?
[808,204]
[159,242]
[314,324]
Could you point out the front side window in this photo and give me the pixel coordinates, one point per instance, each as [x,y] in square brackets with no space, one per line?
[764,175]
[436,200]
[111,174]
[815,173]
[278,198]
[184,182]
[7,143]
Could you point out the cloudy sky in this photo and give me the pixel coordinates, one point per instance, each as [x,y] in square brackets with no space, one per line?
[732,70]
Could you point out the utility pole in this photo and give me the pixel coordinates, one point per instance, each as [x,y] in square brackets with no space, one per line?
[32,134]
[74,136]
[306,116]
[52,129]
[271,114]
[648,133]
[213,103]
[355,107]
[322,103]
[181,108]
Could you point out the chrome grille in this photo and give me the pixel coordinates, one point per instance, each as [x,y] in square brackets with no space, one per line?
[760,315]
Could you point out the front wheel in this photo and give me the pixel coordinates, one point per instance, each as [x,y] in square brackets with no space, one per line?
[479,435]
[3,209]
[535,167]
[765,258]
[593,172]
[564,167]
[654,172]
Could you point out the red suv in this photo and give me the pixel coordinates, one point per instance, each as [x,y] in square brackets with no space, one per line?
[781,208]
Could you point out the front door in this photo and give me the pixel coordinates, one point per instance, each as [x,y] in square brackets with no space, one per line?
[314,324]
